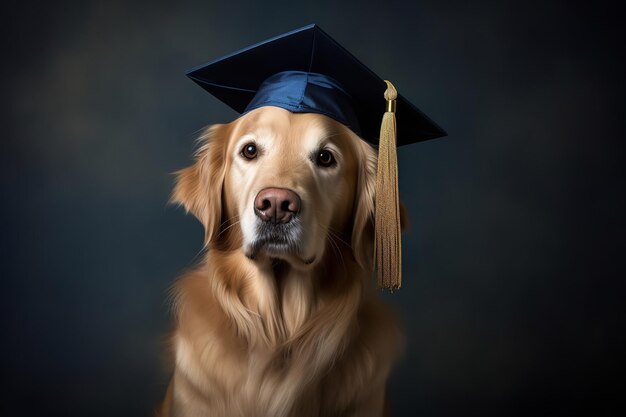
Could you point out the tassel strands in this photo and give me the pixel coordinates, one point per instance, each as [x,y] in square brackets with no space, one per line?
[387,222]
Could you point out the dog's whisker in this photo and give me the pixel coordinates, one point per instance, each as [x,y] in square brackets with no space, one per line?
[328,229]
[236,216]
[331,237]
[334,246]
[226,228]
[335,234]
[343,263]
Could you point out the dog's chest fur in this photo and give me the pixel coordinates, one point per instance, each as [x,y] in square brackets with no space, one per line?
[270,343]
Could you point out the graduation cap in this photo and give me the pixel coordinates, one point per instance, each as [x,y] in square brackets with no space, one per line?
[307,71]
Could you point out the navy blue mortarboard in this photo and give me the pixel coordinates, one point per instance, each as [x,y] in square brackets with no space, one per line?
[307,71]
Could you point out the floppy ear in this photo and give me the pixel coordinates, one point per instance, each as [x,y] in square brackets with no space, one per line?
[198,187]
[364,206]
[363,226]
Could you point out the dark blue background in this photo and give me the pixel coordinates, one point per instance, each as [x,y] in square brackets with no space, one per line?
[513,298]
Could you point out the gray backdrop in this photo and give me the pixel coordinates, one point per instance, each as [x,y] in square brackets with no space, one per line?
[513,298]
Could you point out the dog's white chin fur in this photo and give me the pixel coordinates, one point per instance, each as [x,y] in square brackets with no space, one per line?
[299,249]
[282,252]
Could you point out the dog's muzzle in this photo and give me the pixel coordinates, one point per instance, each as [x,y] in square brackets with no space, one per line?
[278,229]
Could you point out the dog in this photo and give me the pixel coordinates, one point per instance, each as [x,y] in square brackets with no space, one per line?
[281,317]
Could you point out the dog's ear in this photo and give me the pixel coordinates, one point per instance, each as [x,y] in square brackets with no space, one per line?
[364,205]
[198,187]
[363,226]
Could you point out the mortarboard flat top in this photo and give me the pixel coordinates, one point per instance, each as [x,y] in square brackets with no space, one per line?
[319,76]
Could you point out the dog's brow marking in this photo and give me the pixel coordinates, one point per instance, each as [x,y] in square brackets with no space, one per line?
[324,140]
[245,138]
[329,136]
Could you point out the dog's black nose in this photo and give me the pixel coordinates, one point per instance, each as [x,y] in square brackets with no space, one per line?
[277,205]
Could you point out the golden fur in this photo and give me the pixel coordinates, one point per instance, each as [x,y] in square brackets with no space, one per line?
[275,336]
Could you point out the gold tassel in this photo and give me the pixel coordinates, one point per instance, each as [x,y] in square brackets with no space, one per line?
[388,244]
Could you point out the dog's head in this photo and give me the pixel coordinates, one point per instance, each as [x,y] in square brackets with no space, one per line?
[282,185]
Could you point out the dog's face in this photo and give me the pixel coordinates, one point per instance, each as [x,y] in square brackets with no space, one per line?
[282,185]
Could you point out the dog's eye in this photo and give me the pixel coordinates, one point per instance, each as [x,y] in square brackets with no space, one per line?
[325,158]
[249,151]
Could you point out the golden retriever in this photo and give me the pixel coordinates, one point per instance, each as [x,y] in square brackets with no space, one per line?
[281,317]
